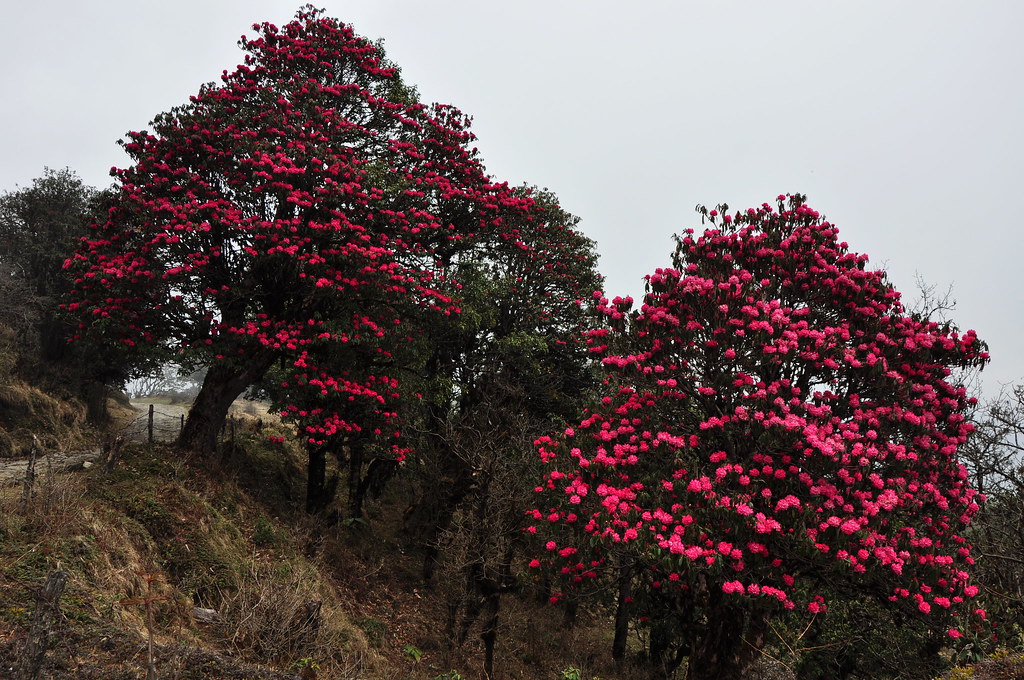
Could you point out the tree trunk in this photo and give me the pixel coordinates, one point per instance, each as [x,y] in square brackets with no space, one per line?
[489,634]
[663,655]
[447,483]
[355,478]
[428,519]
[222,385]
[472,600]
[53,338]
[730,643]
[622,613]
[316,480]
[570,610]
[95,395]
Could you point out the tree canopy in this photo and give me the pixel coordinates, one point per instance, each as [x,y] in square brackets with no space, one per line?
[772,421]
[308,198]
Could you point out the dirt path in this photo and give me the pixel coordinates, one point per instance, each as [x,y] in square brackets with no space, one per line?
[166,426]
[13,471]
[167,423]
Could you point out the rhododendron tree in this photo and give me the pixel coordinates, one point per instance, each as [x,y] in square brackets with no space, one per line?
[773,420]
[349,409]
[305,200]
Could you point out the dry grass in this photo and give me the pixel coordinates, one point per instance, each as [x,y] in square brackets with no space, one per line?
[48,510]
[1004,666]
[26,411]
[286,613]
[207,538]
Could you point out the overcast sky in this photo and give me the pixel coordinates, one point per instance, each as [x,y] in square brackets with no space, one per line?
[902,121]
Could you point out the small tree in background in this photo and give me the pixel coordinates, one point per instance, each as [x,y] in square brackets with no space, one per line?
[773,421]
[995,459]
[524,303]
[512,365]
[40,226]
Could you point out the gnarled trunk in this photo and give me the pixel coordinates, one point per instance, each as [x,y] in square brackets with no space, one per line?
[222,385]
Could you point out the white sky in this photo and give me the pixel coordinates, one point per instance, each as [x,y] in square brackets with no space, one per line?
[902,121]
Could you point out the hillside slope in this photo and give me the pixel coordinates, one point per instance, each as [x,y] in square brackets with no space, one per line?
[236,580]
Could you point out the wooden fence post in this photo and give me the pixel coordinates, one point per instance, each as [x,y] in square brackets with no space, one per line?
[29,490]
[151,409]
[46,616]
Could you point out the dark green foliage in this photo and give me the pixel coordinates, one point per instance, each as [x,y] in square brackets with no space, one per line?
[509,366]
[38,229]
[40,226]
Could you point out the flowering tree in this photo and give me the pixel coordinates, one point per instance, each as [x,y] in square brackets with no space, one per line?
[773,421]
[304,201]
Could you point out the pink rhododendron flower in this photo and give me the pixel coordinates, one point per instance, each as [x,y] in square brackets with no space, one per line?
[733,587]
